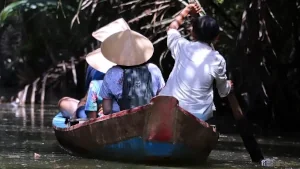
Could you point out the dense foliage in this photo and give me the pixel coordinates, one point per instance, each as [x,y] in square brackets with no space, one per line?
[260,41]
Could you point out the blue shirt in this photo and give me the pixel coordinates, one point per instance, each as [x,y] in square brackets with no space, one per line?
[93,96]
[92,74]
[112,85]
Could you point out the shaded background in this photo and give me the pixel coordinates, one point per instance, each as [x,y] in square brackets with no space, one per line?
[45,41]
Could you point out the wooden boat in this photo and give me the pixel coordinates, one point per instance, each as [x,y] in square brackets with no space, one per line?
[158,131]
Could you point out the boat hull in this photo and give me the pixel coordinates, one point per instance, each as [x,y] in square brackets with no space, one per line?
[160,130]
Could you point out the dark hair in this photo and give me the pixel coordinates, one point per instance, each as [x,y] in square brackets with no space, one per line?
[205,28]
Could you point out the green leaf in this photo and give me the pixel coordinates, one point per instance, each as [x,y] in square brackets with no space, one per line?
[219,1]
[26,5]
[10,10]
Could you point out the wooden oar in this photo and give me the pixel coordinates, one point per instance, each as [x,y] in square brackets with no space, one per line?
[244,127]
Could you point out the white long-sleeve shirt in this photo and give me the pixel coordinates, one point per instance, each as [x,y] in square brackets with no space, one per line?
[191,80]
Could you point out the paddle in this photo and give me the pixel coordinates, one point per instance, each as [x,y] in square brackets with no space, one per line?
[244,127]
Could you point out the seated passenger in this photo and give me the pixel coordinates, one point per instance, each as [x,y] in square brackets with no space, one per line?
[132,82]
[94,101]
[91,75]
[128,87]
[71,107]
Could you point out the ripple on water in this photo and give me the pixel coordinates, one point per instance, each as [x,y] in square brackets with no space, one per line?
[26,131]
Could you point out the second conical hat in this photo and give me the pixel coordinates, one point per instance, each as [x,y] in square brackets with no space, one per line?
[96,59]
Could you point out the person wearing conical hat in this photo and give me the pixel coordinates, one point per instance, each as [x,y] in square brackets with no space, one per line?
[71,107]
[97,61]
[132,81]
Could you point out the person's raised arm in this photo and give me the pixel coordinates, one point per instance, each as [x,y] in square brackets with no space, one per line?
[174,39]
[179,19]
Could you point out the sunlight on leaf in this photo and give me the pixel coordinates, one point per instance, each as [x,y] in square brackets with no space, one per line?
[219,1]
[26,5]
[10,10]
[33,6]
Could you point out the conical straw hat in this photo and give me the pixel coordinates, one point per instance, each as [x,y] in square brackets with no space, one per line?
[127,48]
[109,29]
[95,59]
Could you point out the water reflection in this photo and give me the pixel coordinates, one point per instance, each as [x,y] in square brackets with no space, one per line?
[28,130]
[42,116]
[32,116]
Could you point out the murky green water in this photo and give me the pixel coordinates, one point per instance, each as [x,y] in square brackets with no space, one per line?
[25,131]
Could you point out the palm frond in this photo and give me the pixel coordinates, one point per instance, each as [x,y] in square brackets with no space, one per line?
[26,5]
[10,10]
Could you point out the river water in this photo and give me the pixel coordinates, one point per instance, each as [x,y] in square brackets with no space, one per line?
[26,131]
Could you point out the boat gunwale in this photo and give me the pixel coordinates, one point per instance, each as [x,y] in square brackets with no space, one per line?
[129,111]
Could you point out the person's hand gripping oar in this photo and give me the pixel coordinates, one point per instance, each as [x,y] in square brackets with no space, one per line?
[243,125]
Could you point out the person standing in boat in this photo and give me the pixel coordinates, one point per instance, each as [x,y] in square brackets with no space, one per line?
[196,66]
[133,81]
